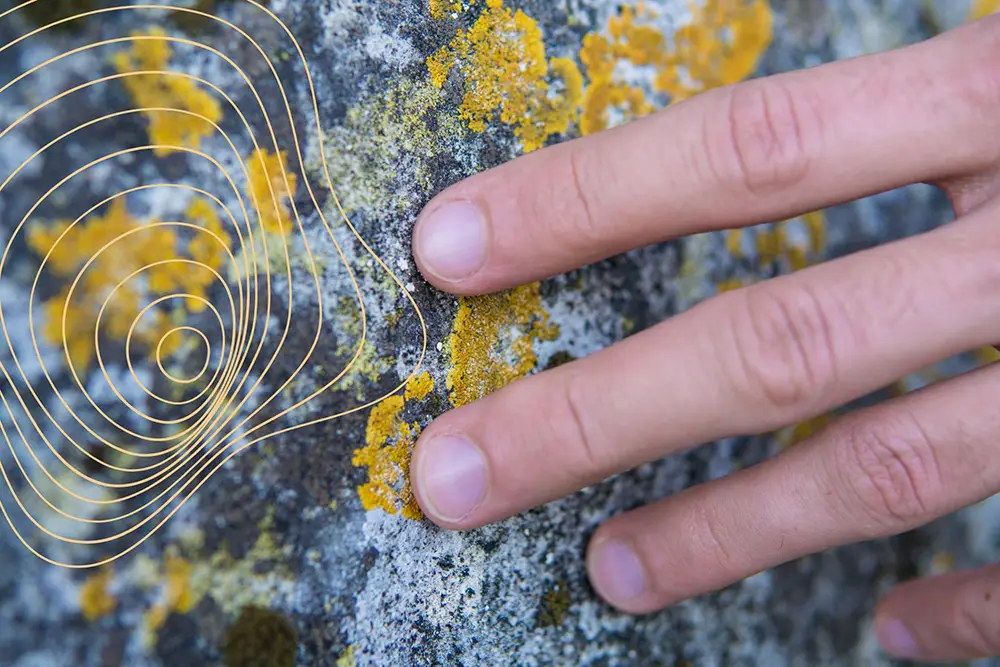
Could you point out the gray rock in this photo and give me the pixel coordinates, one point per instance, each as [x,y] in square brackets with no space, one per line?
[287,525]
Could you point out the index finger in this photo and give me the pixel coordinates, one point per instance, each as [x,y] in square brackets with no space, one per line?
[761,150]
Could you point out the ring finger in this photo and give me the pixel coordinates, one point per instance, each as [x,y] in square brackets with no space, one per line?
[874,473]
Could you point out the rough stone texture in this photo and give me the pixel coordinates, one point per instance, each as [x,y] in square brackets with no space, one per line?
[282,526]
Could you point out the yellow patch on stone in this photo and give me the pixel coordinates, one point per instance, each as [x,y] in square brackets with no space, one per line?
[389,440]
[983,8]
[442,8]
[419,387]
[492,341]
[503,62]
[96,600]
[721,45]
[167,130]
[804,429]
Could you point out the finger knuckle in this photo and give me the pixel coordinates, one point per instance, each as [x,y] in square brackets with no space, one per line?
[978,87]
[764,149]
[974,627]
[575,425]
[784,346]
[584,183]
[890,471]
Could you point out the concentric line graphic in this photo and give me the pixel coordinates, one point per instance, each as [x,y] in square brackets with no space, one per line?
[149,352]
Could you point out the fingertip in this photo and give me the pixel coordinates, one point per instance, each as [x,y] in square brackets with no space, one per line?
[451,242]
[450,478]
[895,637]
[617,573]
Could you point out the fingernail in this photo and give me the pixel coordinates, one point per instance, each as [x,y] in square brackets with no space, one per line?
[453,478]
[617,572]
[896,639]
[451,240]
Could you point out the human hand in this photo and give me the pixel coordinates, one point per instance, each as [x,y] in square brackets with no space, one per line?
[759,358]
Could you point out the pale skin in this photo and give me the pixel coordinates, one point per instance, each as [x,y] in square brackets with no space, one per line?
[759,358]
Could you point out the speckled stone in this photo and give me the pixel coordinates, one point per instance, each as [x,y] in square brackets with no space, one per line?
[369,588]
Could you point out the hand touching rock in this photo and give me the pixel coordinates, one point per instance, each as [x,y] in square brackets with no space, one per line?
[762,357]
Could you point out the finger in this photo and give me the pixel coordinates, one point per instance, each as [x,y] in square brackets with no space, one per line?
[948,617]
[748,361]
[762,150]
[874,473]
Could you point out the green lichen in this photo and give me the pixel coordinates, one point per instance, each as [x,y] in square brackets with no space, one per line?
[558,359]
[260,638]
[369,365]
[46,12]
[365,153]
[194,23]
[554,606]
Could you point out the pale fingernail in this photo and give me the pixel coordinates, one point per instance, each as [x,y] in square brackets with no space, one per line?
[453,478]
[617,572]
[452,240]
[896,639]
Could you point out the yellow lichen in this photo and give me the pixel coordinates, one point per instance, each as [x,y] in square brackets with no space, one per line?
[600,55]
[268,172]
[791,245]
[441,8]
[982,8]
[942,562]
[502,60]
[137,244]
[987,355]
[179,596]
[347,658]
[492,341]
[804,429]
[729,285]
[167,130]
[389,442]
[419,387]
[95,598]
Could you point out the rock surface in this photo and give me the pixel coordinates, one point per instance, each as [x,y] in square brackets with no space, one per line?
[316,524]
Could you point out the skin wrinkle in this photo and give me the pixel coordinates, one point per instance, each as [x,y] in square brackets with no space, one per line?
[766,143]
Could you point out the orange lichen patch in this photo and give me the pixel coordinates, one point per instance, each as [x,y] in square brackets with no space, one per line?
[981,8]
[640,45]
[95,598]
[388,444]
[268,172]
[492,341]
[503,62]
[167,130]
[419,387]
[721,45]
